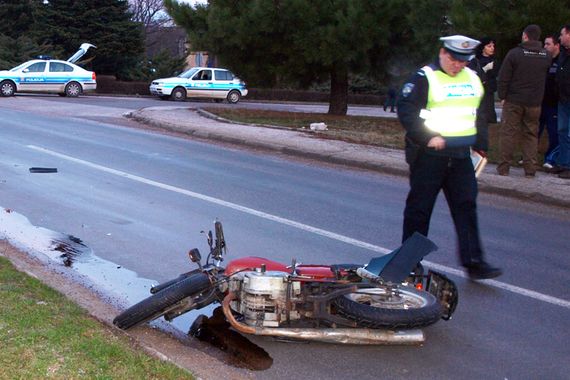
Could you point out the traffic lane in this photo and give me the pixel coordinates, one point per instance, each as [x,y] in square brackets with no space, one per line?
[317,197]
[358,359]
[252,231]
[442,338]
[76,188]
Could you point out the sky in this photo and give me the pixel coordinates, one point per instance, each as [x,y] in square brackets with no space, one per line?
[193,1]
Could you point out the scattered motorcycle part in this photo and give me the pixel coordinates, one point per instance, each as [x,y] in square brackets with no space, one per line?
[43,170]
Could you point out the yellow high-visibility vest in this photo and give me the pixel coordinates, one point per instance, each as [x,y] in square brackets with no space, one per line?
[452,102]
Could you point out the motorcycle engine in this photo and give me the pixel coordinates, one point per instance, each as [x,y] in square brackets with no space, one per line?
[263,297]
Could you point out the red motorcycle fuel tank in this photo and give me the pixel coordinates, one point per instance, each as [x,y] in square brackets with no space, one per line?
[253,262]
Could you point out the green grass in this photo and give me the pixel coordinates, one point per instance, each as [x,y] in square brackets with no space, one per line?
[379,131]
[358,129]
[44,335]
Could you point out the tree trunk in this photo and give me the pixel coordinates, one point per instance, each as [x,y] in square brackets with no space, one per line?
[338,103]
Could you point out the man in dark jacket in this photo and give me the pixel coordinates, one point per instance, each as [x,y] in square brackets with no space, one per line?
[549,108]
[563,77]
[521,87]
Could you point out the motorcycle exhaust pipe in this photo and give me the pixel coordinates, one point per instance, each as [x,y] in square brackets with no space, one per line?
[328,335]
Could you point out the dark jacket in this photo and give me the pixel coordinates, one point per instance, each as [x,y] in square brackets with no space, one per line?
[550,98]
[523,74]
[413,98]
[486,111]
[563,76]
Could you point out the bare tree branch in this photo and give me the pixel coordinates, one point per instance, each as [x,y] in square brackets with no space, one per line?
[150,13]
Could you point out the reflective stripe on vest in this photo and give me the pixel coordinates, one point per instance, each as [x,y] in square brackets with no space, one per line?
[452,102]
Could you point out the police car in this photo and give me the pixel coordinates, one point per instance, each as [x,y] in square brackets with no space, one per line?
[49,75]
[200,82]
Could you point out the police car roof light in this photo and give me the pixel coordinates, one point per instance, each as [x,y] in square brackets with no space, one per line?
[45,57]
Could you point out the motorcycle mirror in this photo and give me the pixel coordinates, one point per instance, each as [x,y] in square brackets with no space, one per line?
[220,239]
[195,255]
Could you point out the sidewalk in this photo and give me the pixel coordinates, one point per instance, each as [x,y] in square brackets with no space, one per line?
[544,188]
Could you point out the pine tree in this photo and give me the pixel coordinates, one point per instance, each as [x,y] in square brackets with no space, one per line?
[104,23]
[19,32]
[505,21]
[295,40]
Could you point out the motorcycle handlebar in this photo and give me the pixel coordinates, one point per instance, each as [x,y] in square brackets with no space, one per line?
[363,273]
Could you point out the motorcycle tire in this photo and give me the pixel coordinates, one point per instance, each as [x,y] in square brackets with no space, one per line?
[159,303]
[371,308]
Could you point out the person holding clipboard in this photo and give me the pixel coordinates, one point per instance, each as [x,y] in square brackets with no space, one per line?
[437,108]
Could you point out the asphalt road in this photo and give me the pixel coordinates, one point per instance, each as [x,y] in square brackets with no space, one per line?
[137,198]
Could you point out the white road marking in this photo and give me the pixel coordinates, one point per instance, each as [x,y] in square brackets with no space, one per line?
[301,226]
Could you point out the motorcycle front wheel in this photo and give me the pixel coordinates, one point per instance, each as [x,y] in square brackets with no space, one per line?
[161,302]
[402,307]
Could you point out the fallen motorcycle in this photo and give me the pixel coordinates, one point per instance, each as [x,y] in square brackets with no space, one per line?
[383,302]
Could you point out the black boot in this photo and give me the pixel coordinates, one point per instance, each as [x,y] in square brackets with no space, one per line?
[481,270]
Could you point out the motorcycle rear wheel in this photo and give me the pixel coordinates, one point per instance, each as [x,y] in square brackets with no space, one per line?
[379,308]
[159,303]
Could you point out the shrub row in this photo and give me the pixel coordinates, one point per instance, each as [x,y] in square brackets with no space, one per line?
[107,84]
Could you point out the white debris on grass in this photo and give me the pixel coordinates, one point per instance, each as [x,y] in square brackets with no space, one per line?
[318,127]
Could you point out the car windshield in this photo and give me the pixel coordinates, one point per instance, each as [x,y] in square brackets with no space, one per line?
[188,73]
[18,67]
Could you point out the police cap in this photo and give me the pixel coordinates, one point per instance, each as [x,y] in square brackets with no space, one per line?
[460,47]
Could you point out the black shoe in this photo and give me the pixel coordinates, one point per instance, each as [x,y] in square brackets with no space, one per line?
[482,270]
[554,170]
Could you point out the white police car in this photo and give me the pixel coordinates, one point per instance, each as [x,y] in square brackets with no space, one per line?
[200,82]
[49,75]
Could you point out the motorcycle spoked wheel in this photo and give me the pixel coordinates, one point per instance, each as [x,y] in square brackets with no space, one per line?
[159,303]
[376,308]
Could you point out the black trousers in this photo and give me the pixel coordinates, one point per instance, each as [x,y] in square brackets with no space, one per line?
[428,175]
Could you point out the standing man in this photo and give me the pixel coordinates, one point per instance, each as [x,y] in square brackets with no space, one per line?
[437,108]
[549,107]
[521,88]
[563,76]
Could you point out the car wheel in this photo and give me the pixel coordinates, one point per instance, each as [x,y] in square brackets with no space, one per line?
[234,96]
[73,89]
[7,88]
[178,94]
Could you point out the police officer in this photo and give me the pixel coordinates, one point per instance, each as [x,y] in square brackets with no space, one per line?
[437,108]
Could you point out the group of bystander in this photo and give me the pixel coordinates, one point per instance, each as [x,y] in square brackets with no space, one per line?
[534,89]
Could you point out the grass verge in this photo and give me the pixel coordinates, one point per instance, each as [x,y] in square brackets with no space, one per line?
[45,335]
[378,131]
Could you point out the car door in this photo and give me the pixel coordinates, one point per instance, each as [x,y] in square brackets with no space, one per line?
[58,75]
[33,77]
[223,82]
[201,84]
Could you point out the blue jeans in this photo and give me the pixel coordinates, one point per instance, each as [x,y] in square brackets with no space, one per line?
[549,119]
[564,135]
